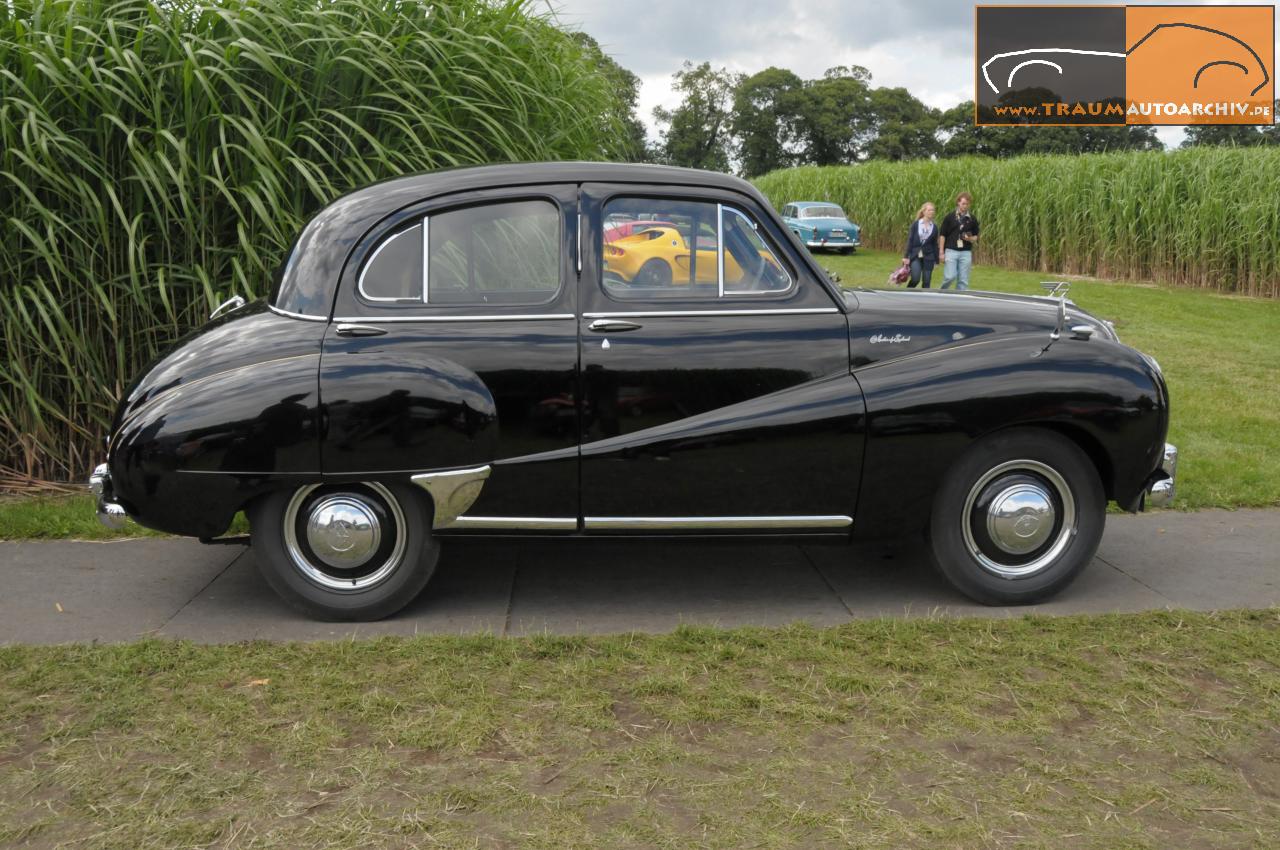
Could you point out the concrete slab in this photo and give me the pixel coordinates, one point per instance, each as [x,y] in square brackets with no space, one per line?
[888,580]
[179,588]
[1202,561]
[60,591]
[464,597]
[654,586]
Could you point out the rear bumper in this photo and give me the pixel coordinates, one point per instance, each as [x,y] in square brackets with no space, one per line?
[829,243]
[110,512]
[1161,486]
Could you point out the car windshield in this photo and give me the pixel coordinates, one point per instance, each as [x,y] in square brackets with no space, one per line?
[822,212]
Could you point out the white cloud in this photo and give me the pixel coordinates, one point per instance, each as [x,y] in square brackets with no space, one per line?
[924,46]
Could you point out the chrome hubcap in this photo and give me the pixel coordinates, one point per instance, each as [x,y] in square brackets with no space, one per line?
[1020,518]
[343,532]
[346,541]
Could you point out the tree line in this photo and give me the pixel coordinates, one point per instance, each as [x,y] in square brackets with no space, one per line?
[773,119]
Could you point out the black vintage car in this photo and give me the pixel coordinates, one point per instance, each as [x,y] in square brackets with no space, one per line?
[464,353]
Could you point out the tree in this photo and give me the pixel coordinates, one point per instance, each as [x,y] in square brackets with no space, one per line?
[959,137]
[1228,135]
[897,126]
[697,131]
[833,111]
[626,88]
[766,120]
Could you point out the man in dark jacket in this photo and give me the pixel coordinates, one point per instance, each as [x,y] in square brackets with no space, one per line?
[955,242]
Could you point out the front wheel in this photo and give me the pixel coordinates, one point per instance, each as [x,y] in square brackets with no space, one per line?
[1017,518]
[352,551]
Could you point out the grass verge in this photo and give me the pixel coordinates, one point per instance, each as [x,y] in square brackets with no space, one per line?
[1219,355]
[71,518]
[1136,731]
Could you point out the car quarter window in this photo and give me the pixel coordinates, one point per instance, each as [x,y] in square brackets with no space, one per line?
[501,253]
[668,248]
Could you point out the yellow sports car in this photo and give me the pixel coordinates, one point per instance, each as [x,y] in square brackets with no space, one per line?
[660,256]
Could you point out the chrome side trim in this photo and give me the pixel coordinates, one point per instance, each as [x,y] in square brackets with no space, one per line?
[715,522]
[719,249]
[452,492]
[673,313]
[528,317]
[426,264]
[546,523]
[304,316]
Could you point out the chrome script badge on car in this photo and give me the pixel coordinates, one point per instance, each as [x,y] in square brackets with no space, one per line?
[879,338]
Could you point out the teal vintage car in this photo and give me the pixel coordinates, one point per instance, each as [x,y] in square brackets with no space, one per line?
[821,224]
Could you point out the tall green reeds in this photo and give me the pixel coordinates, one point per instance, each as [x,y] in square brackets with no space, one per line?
[1204,217]
[156,158]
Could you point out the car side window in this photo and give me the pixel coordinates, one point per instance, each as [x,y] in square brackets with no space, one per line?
[667,248]
[503,253]
[393,272]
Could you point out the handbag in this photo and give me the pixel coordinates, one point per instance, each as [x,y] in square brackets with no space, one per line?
[900,275]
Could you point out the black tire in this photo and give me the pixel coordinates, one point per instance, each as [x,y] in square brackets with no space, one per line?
[997,492]
[654,272]
[401,560]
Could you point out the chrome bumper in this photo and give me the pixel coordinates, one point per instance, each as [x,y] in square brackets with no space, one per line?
[829,244]
[110,513]
[1160,493]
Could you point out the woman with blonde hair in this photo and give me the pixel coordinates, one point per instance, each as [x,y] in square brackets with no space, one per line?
[922,245]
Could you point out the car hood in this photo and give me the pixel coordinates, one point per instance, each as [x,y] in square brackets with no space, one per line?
[890,324]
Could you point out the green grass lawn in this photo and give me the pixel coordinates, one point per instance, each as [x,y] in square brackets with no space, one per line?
[1138,731]
[1220,355]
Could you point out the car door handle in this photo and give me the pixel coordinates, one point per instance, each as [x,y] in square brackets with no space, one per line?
[348,329]
[604,326]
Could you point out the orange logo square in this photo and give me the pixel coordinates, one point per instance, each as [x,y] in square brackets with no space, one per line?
[1203,64]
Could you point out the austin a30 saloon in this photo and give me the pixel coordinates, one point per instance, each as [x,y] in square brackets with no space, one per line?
[464,353]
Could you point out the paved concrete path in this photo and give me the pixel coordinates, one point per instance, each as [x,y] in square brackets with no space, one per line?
[68,591]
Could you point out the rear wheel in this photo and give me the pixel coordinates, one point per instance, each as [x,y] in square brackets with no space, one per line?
[1017,518]
[352,551]
[654,272]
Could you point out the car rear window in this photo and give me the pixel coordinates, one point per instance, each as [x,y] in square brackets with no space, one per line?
[503,253]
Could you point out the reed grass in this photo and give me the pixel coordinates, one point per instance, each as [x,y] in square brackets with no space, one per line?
[1204,217]
[156,158]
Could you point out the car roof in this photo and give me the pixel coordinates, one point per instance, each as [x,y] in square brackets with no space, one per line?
[305,285]
[813,204]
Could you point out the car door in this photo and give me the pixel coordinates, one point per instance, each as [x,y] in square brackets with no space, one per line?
[716,391]
[453,346]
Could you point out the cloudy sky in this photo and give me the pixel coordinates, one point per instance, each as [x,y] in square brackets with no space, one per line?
[925,46]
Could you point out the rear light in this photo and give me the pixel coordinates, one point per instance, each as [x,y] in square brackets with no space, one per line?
[614,252]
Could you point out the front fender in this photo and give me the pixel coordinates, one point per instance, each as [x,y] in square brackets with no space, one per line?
[925,410]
